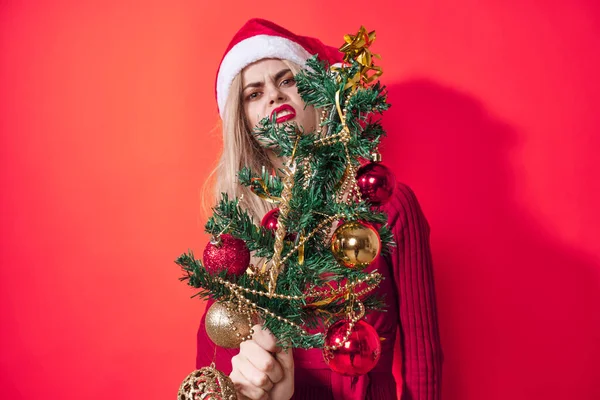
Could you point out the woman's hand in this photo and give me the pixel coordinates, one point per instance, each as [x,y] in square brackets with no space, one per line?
[261,370]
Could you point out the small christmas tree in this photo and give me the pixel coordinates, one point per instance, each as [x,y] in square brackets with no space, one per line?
[310,287]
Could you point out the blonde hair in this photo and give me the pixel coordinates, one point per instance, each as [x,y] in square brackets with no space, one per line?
[241,149]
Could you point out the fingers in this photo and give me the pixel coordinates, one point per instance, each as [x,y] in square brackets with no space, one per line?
[246,388]
[286,360]
[252,374]
[264,338]
[262,360]
[261,367]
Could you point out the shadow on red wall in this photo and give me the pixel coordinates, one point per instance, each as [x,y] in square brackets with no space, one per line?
[516,304]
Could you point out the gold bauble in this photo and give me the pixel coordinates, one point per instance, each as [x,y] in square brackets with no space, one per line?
[226,328]
[355,244]
[207,383]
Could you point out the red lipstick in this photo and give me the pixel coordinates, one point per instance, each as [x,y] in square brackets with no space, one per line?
[291,113]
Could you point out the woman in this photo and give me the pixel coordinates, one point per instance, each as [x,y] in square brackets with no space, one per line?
[255,79]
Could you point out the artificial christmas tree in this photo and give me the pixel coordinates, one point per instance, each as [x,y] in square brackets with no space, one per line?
[315,247]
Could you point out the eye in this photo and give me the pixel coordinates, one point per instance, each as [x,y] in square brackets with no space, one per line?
[252,96]
[288,82]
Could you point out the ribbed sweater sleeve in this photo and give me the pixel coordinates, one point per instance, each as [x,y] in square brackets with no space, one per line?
[413,273]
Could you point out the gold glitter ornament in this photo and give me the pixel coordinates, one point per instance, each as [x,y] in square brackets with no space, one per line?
[207,383]
[227,327]
[355,244]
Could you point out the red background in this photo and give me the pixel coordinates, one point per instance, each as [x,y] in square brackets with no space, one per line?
[107,124]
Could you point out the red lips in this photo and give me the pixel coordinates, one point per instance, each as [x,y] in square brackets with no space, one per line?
[286,107]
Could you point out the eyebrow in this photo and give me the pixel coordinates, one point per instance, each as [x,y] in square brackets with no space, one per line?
[277,77]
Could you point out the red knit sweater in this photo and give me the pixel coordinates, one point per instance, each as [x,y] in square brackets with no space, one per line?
[410,297]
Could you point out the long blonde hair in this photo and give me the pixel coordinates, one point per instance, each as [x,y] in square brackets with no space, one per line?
[241,149]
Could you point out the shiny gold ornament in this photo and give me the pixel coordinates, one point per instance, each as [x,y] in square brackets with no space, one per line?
[226,327]
[355,244]
[207,383]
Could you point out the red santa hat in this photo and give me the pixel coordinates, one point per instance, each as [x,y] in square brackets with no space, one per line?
[259,39]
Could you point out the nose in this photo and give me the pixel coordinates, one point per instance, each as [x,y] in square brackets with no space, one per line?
[276,95]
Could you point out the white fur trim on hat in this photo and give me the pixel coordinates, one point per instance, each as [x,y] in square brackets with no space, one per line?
[253,49]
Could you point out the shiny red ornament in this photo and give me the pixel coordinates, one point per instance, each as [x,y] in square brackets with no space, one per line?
[226,253]
[269,221]
[376,183]
[359,354]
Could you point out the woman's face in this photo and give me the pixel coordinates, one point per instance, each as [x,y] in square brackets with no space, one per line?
[268,87]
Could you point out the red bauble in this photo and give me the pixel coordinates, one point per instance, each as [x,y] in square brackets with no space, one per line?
[358,355]
[226,253]
[376,183]
[269,221]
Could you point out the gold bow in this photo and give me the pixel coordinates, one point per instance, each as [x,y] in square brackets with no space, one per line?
[357,48]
